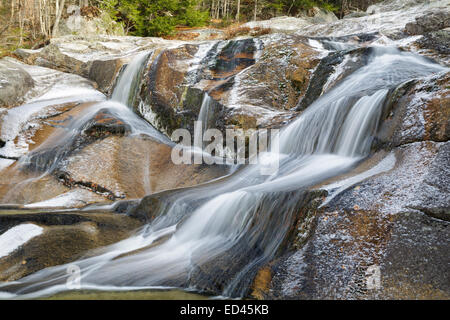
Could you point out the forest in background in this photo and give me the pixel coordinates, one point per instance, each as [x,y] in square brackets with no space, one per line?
[29,23]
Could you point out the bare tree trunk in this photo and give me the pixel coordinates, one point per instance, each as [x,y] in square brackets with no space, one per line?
[238,9]
[254,13]
[33,21]
[59,10]
[290,8]
[13,5]
[48,17]
[20,13]
[44,17]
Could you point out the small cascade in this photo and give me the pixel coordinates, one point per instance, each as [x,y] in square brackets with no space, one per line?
[48,156]
[204,116]
[204,113]
[217,237]
[127,83]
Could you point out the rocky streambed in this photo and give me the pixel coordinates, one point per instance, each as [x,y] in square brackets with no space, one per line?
[359,208]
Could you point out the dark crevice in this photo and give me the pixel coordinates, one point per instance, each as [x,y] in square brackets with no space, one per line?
[442,214]
[8,158]
[68,181]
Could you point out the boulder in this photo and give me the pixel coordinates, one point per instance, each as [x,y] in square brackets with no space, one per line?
[436,45]
[417,111]
[175,84]
[430,21]
[387,18]
[163,89]
[318,15]
[15,82]
[104,124]
[330,70]
[95,57]
[105,73]
[382,231]
[394,223]
[438,41]
[285,24]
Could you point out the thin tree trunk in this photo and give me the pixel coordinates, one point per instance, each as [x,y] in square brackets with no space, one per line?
[290,8]
[254,13]
[13,4]
[59,10]
[238,9]
[48,17]
[20,13]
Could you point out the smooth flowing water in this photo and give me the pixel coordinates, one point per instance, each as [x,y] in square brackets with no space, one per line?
[126,86]
[48,155]
[228,229]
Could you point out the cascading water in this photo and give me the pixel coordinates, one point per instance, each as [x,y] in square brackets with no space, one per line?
[127,82]
[49,154]
[242,222]
[205,110]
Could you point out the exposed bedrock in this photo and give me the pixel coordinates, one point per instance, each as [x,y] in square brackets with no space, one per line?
[389,215]
[430,21]
[98,58]
[251,83]
[65,237]
[395,222]
[69,158]
[384,220]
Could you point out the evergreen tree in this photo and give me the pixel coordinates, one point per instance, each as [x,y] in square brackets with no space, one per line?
[157,17]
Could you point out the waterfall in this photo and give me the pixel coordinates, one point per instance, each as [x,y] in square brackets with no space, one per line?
[205,110]
[48,155]
[201,125]
[240,223]
[127,83]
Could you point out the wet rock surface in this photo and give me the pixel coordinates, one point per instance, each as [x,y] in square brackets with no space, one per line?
[251,83]
[377,224]
[98,58]
[435,45]
[123,173]
[164,86]
[66,237]
[97,162]
[388,216]
[392,224]
[15,82]
[291,24]
[418,111]
[429,21]
[105,72]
